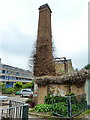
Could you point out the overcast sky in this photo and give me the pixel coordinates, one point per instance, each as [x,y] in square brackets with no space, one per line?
[19,23]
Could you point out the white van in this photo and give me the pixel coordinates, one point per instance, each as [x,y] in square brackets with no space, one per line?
[26,92]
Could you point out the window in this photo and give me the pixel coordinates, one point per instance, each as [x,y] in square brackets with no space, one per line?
[17,73]
[3,71]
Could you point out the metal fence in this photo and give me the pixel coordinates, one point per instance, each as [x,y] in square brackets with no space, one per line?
[67,106]
[16,110]
[78,104]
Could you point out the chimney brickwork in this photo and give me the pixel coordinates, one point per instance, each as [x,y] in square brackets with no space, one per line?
[43,58]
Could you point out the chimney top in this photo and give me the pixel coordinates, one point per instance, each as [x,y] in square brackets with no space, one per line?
[45,6]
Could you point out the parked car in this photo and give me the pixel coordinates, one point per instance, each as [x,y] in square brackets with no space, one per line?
[26,92]
[3,98]
[17,93]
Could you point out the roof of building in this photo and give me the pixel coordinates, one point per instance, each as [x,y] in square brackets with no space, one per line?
[13,68]
[16,68]
[61,60]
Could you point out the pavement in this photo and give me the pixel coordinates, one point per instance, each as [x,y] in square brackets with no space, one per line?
[23,99]
[13,97]
[86,117]
[5,105]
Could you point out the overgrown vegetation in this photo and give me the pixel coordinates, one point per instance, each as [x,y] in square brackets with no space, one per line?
[84,114]
[20,85]
[60,105]
[87,66]
[8,90]
[43,108]
[17,86]
[70,94]
[54,99]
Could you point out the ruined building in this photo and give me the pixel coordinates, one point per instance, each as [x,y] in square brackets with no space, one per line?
[43,58]
[77,82]
[63,65]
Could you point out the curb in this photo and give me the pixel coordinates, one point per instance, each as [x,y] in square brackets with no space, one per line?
[42,116]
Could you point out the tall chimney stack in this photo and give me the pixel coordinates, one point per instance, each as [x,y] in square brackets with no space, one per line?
[43,58]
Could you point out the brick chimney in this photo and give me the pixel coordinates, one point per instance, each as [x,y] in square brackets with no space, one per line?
[43,58]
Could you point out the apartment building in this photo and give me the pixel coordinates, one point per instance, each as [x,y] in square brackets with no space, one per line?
[10,75]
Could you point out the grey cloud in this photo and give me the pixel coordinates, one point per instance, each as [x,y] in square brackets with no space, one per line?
[16,43]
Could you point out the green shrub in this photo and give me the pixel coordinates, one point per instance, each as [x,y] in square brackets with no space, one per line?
[18,85]
[8,90]
[54,99]
[32,84]
[43,108]
[70,94]
[60,108]
[2,85]
[87,66]
[28,85]
[60,104]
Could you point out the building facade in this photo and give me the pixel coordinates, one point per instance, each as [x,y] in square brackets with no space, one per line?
[63,65]
[10,75]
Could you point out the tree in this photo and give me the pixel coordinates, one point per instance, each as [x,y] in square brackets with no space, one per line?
[2,86]
[87,66]
[29,85]
[18,85]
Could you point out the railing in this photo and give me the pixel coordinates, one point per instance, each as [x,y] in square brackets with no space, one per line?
[67,106]
[16,110]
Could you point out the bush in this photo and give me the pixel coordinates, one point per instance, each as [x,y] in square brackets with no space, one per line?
[87,67]
[60,108]
[8,90]
[60,104]
[54,99]
[28,85]
[18,85]
[70,94]
[2,85]
[43,108]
